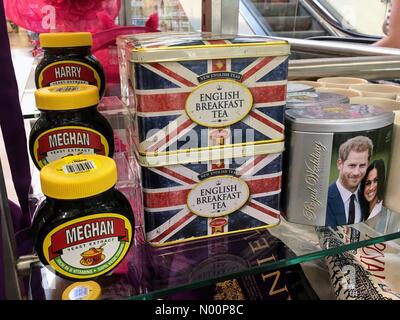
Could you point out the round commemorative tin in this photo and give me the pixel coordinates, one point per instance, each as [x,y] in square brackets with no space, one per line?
[305,99]
[336,163]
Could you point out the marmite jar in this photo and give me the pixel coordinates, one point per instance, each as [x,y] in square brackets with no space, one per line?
[68,60]
[83,290]
[69,124]
[84,227]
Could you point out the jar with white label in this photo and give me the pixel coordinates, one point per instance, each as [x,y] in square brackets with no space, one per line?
[69,124]
[84,227]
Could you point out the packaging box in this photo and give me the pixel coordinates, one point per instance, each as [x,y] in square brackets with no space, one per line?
[199,90]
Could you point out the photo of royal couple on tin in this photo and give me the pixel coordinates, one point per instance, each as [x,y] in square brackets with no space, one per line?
[357,193]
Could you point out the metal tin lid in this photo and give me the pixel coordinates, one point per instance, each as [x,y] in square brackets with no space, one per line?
[299,87]
[304,99]
[338,118]
[210,154]
[170,46]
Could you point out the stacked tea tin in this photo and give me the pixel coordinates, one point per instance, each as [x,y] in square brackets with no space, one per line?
[209,112]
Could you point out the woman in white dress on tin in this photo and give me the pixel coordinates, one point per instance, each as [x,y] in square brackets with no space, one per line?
[372,187]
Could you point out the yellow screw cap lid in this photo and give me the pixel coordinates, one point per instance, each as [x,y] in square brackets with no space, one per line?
[65,39]
[80,176]
[67,97]
[86,290]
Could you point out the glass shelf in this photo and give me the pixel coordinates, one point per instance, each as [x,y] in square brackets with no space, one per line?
[158,272]
[149,273]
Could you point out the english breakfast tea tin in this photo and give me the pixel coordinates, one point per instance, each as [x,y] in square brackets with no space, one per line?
[189,86]
[224,191]
[336,163]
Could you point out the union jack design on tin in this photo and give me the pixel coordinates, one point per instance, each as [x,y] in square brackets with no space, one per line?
[167,190]
[163,88]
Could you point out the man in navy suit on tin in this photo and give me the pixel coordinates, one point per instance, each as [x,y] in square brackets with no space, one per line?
[345,202]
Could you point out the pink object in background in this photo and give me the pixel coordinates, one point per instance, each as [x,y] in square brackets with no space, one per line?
[105,49]
[152,21]
[70,15]
[95,16]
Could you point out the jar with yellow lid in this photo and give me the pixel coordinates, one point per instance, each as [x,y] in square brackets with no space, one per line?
[85,290]
[69,124]
[84,227]
[68,59]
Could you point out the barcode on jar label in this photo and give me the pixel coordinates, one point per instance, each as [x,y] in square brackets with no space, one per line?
[82,166]
[67,89]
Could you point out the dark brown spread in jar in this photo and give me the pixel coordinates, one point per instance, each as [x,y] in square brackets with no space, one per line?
[69,124]
[84,227]
[68,60]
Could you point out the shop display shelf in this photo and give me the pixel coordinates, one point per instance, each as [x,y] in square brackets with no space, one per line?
[158,272]
[161,272]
